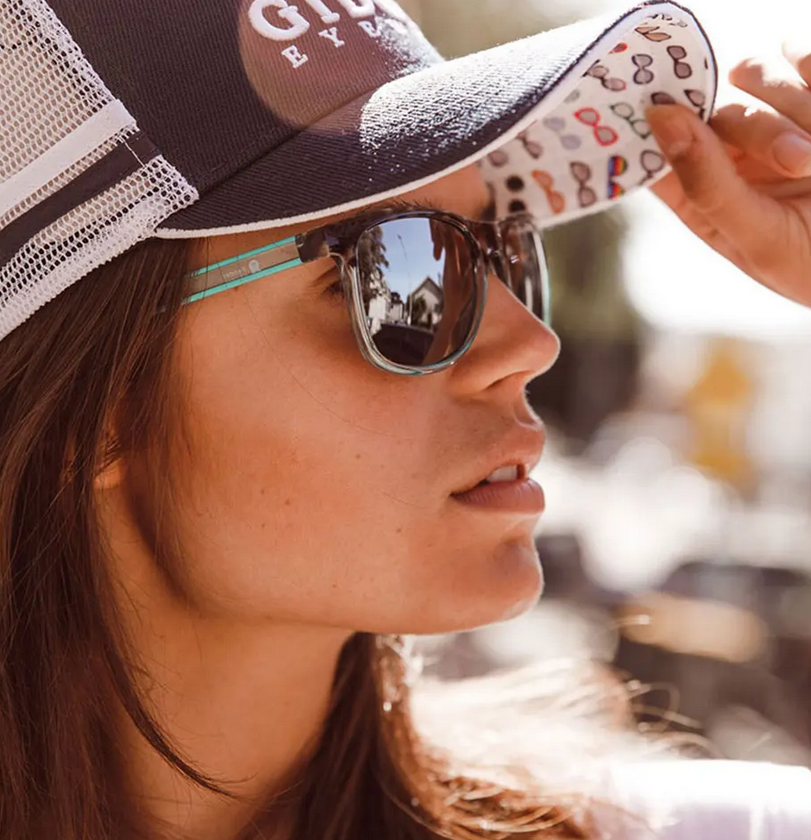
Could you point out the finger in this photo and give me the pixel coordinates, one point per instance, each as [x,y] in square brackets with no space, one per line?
[711,182]
[774,82]
[797,188]
[767,137]
[670,191]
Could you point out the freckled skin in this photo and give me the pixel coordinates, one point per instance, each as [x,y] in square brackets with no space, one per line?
[322,486]
[313,500]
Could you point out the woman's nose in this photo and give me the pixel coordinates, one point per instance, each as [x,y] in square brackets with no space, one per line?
[512,345]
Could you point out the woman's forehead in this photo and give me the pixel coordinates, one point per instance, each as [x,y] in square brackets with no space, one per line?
[464,192]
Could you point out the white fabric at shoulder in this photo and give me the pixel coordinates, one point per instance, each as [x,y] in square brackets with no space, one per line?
[711,800]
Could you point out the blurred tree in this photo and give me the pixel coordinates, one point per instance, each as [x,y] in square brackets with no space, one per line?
[597,373]
[372,256]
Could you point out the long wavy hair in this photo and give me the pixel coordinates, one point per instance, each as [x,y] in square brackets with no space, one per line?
[99,358]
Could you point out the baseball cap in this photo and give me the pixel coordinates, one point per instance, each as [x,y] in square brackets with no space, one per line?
[121,121]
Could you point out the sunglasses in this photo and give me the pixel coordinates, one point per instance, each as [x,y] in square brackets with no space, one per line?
[603,134]
[415,280]
[626,112]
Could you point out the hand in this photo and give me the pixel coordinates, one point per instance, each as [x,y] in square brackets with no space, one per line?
[744,185]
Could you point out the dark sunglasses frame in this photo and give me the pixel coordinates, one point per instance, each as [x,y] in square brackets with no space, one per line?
[340,242]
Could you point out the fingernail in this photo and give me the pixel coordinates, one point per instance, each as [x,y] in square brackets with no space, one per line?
[793,152]
[672,129]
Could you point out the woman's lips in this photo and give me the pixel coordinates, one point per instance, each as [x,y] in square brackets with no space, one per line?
[525,496]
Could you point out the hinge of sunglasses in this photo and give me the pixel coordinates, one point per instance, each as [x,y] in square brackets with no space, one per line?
[312,246]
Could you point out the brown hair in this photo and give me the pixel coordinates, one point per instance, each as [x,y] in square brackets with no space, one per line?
[101,352]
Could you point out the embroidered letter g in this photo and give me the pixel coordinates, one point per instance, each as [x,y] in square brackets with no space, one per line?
[298,24]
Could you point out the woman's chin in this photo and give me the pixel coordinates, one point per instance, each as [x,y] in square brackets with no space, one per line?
[498,588]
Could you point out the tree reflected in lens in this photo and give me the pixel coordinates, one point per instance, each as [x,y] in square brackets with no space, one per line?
[417,278]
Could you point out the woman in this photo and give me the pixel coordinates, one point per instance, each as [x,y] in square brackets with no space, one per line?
[225,501]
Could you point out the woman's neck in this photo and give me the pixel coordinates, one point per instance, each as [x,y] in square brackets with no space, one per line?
[242,703]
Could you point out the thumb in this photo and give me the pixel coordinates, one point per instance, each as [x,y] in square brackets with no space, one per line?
[708,176]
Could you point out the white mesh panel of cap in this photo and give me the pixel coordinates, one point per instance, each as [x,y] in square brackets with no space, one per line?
[49,92]
[92,234]
[49,89]
[65,176]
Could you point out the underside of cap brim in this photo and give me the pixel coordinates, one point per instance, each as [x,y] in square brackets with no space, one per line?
[498,107]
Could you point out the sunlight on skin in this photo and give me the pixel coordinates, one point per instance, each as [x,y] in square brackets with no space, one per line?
[315,501]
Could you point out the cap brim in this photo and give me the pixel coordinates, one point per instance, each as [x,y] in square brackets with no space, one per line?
[426,125]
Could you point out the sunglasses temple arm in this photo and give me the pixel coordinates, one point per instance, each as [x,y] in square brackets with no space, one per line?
[247,267]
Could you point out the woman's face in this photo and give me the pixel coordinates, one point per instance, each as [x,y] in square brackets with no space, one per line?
[319,489]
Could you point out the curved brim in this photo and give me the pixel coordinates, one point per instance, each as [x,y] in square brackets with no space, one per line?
[424,126]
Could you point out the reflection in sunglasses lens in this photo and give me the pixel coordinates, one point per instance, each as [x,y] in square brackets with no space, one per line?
[417,281]
[527,276]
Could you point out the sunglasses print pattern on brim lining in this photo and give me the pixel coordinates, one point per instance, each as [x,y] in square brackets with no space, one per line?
[558,125]
[625,111]
[596,146]
[644,75]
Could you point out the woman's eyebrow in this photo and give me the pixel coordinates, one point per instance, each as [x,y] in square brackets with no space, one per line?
[485,212]
[401,204]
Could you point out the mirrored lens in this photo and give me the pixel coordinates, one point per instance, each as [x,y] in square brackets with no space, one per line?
[419,289]
[527,273]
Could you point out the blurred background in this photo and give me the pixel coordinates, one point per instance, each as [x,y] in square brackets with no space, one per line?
[677,539]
